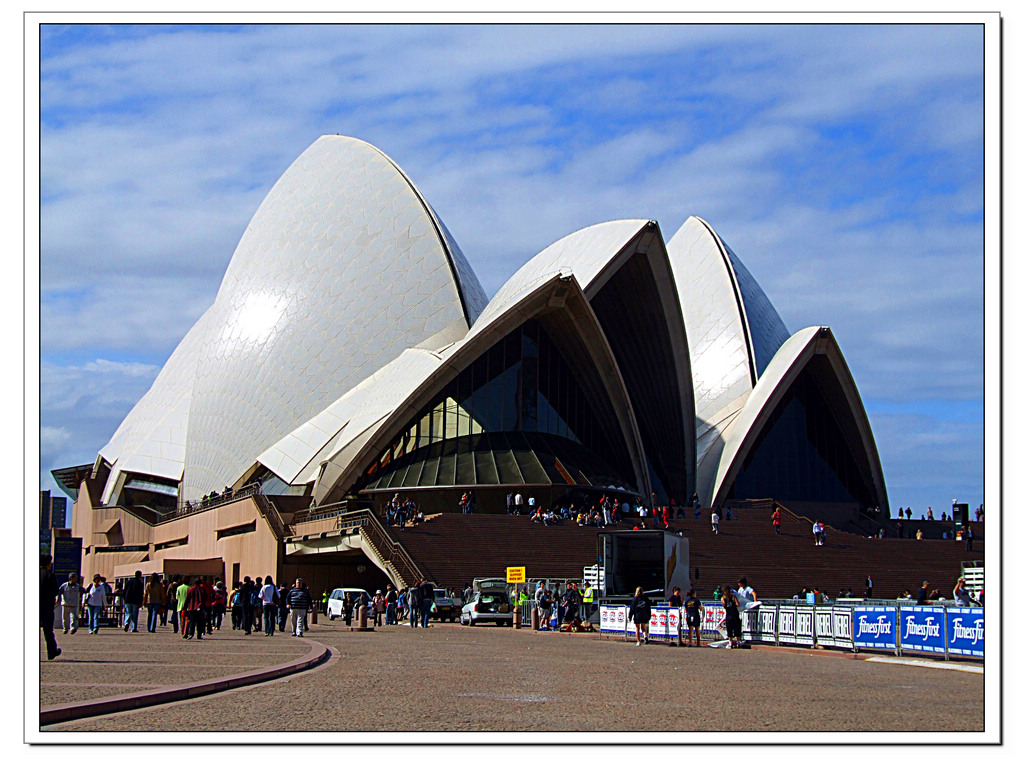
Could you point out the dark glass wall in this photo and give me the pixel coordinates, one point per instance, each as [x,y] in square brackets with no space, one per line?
[521,385]
[631,315]
[803,454]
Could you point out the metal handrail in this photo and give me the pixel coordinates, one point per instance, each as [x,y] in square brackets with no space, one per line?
[390,549]
[189,508]
[320,512]
[270,513]
[373,529]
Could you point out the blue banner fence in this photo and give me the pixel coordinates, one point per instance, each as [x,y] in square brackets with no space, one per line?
[937,629]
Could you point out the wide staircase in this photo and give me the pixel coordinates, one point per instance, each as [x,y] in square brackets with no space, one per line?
[779,566]
[452,549]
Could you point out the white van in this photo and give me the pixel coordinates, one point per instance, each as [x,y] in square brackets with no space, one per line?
[336,602]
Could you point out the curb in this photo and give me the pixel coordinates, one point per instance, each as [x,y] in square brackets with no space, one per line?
[808,651]
[170,694]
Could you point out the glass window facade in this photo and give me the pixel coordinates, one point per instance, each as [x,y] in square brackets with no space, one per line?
[802,454]
[478,430]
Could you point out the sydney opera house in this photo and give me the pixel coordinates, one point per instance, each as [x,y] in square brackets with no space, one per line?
[351,354]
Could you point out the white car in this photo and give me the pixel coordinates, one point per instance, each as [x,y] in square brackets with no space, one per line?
[336,602]
[488,605]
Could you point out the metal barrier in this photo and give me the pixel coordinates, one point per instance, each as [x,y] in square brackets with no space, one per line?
[938,629]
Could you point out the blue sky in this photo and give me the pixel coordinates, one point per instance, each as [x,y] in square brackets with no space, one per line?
[842,163]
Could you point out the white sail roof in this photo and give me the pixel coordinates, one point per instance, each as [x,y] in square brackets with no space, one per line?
[333,434]
[343,267]
[732,330]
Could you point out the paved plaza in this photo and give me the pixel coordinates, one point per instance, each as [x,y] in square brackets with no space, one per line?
[451,678]
[117,663]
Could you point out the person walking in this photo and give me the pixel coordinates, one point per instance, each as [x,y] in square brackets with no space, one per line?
[162,611]
[153,600]
[640,614]
[675,602]
[95,603]
[714,521]
[48,593]
[257,605]
[196,623]
[171,603]
[299,601]
[777,521]
[134,590]
[414,604]
[869,586]
[282,609]
[235,601]
[220,604]
[270,598]
[401,610]
[348,607]
[544,604]
[391,607]
[70,603]
[968,538]
[426,602]
[248,599]
[378,607]
[182,595]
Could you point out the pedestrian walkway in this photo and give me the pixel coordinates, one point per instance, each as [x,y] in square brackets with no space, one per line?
[114,664]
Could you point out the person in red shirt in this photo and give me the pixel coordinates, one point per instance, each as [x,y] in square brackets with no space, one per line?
[777,521]
[664,516]
[208,599]
[194,609]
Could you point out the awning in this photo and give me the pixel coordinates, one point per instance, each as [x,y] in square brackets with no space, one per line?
[69,479]
[171,566]
[151,487]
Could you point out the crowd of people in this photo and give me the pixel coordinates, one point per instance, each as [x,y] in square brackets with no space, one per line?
[194,605]
[209,499]
[961,596]
[389,606]
[692,611]
[609,512]
[400,512]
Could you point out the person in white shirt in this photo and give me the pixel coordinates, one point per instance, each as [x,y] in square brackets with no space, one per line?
[270,597]
[70,603]
[714,522]
[745,593]
[95,601]
[519,504]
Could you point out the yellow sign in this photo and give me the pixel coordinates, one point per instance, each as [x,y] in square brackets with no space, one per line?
[515,574]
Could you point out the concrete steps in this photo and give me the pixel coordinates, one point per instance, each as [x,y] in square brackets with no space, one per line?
[452,549]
